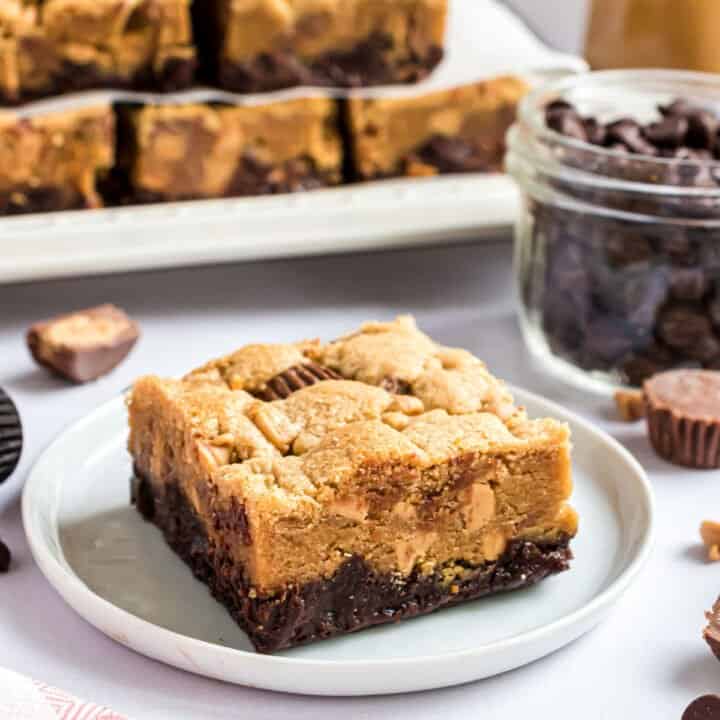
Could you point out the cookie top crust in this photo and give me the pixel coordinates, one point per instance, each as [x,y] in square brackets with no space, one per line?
[395,356]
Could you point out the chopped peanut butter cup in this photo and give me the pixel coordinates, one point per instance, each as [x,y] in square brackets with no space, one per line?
[11,436]
[83,345]
[683,417]
[295,378]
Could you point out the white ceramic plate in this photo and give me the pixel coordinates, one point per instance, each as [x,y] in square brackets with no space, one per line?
[117,572]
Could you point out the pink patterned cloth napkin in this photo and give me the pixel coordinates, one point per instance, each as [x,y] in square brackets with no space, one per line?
[22,698]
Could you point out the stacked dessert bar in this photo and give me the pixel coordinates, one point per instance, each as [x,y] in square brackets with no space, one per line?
[169,149]
[319,489]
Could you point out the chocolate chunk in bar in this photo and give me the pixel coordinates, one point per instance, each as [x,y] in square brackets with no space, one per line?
[296,378]
[83,345]
[11,436]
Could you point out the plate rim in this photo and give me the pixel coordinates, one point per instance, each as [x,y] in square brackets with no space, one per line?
[66,582]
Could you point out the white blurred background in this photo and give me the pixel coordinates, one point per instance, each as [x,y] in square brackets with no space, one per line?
[561,23]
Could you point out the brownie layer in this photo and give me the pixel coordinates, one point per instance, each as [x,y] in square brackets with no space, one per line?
[365,65]
[25,199]
[354,598]
[174,75]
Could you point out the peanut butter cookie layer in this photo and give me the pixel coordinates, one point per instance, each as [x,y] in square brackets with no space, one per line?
[381,448]
[354,598]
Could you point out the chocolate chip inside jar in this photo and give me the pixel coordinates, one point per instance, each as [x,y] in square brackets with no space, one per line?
[632,289]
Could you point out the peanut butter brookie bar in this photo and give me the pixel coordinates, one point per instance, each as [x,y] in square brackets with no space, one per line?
[271,44]
[55,161]
[182,152]
[449,131]
[319,489]
[54,46]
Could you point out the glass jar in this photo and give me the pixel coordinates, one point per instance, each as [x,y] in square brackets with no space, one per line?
[617,254]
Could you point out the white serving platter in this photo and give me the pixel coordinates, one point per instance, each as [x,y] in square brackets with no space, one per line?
[116,571]
[484,39]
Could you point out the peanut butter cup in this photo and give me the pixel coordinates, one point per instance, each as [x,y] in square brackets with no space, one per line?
[683,416]
[11,436]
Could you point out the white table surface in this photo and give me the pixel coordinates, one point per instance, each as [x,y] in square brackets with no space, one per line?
[646,661]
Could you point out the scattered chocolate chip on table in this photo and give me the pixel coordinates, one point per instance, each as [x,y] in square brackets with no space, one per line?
[83,345]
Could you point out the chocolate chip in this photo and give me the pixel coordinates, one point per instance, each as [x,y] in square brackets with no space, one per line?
[637,367]
[5,557]
[607,340]
[667,133]
[452,154]
[688,283]
[713,308]
[629,134]
[678,107]
[702,129]
[624,247]
[706,707]
[595,131]
[683,325]
[706,350]
[567,122]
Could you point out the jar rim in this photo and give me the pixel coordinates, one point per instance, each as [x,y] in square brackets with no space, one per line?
[675,82]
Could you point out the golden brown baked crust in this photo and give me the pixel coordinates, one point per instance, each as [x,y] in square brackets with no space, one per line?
[50,46]
[198,151]
[53,161]
[394,136]
[439,478]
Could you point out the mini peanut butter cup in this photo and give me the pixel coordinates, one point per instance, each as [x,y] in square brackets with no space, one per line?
[294,379]
[11,436]
[683,417]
